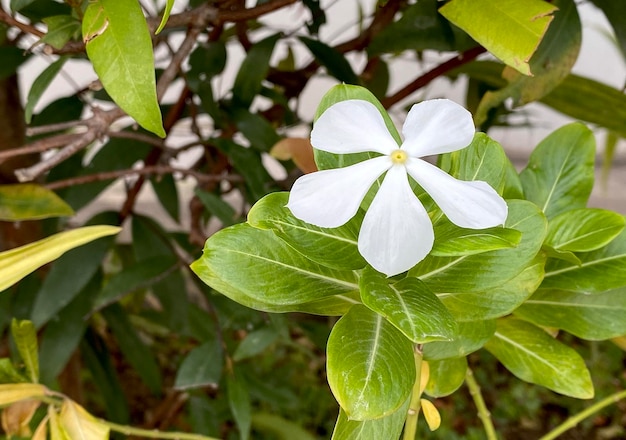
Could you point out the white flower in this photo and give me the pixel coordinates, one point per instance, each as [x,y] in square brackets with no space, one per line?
[396,232]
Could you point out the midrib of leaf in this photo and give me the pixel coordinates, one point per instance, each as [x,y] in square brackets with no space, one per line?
[557,180]
[573,305]
[297,269]
[316,232]
[585,264]
[524,349]
[478,168]
[120,52]
[372,356]
[404,309]
[581,237]
[442,268]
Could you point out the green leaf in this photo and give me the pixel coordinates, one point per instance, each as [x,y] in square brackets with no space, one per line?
[25,338]
[560,171]
[615,14]
[19,262]
[334,61]
[254,343]
[470,337]
[239,402]
[388,427]
[9,374]
[166,14]
[534,356]
[335,247]
[16,5]
[12,57]
[61,29]
[28,201]
[40,85]
[370,365]
[253,71]
[599,270]
[488,270]
[258,130]
[217,206]
[550,65]
[496,301]
[79,424]
[446,376]
[119,46]
[452,241]
[201,367]
[584,230]
[252,266]
[136,352]
[509,29]
[561,255]
[167,192]
[282,428]
[592,317]
[409,305]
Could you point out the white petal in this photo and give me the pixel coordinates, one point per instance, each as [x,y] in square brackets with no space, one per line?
[437,126]
[352,126]
[330,198]
[473,205]
[396,232]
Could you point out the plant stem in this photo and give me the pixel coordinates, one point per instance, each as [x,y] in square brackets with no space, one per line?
[483,412]
[410,426]
[153,433]
[574,420]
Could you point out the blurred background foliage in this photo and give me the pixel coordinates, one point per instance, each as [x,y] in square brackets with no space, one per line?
[124,327]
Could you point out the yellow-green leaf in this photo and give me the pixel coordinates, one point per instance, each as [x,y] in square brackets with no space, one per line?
[57,432]
[14,392]
[166,15]
[509,29]
[118,44]
[30,202]
[16,263]
[431,414]
[25,338]
[79,424]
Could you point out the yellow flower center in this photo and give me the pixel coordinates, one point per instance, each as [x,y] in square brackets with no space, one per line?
[399,156]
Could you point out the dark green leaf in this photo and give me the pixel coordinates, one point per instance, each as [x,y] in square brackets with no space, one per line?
[201,367]
[167,192]
[12,57]
[259,132]
[253,70]
[334,61]
[370,365]
[239,401]
[254,343]
[613,9]
[40,85]
[217,206]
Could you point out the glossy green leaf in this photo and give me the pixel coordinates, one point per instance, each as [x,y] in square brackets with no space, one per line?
[25,338]
[536,357]
[446,376]
[509,29]
[239,402]
[584,230]
[61,29]
[258,269]
[201,367]
[370,365]
[496,301]
[591,317]
[253,71]
[561,255]
[169,4]
[333,60]
[482,272]
[452,241]
[598,272]
[388,427]
[119,46]
[254,343]
[335,247]
[40,85]
[409,305]
[550,65]
[28,201]
[135,351]
[16,263]
[470,337]
[560,172]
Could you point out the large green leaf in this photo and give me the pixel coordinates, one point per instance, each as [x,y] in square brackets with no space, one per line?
[536,357]
[481,272]
[550,65]
[25,338]
[119,46]
[19,262]
[584,230]
[598,271]
[509,29]
[446,376]
[497,301]
[409,305]
[253,71]
[452,241]
[471,336]
[371,368]
[591,317]
[30,202]
[560,171]
[388,427]
[336,247]
[253,266]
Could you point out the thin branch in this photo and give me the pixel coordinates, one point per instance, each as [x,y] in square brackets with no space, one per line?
[252,13]
[51,128]
[40,146]
[157,170]
[8,19]
[140,137]
[440,70]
